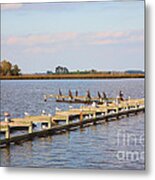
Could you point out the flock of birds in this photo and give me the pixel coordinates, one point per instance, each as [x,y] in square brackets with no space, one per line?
[43,112]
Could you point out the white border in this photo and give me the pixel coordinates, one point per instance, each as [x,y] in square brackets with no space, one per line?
[40,174]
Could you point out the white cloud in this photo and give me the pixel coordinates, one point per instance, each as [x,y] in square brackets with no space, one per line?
[58,42]
[40,50]
[31,40]
[76,38]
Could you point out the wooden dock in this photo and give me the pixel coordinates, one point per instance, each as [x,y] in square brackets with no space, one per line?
[78,99]
[72,118]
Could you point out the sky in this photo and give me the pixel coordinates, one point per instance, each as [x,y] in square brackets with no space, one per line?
[106,36]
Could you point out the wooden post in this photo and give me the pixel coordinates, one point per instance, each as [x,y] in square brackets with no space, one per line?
[67,119]
[127,108]
[94,116]
[49,123]
[7,132]
[106,113]
[30,129]
[117,110]
[136,111]
[136,107]
[81,119]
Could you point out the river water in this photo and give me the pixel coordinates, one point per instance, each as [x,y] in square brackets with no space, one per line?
[114,145]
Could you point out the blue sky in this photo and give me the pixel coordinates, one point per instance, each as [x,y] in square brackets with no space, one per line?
[95,35]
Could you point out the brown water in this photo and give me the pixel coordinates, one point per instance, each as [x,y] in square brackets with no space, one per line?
[114,145]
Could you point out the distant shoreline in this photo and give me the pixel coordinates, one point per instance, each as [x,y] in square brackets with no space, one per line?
[71,76]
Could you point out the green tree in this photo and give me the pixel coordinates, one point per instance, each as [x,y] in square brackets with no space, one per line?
[15,70]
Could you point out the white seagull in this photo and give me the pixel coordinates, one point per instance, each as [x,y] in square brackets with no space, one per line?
[57,109]
[70,107]
[26,114]
[43,112]
[93,104]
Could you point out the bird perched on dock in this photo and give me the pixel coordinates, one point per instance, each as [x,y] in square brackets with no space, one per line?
[89,116]
[94,104]
[45,98]
[60,93]
[26,114]
[70,94]
[57,109]
[76,93]
[7,117]
[43,113]
[88,94]
[86,117]
[121,95]
[70,107]
[99,95]
[104,95]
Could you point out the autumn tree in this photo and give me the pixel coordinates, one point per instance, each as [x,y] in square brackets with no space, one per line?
[6,68]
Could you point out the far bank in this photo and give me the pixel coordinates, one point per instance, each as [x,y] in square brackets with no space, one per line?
[72,76]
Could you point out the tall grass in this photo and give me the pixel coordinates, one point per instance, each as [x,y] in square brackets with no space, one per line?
[73,76]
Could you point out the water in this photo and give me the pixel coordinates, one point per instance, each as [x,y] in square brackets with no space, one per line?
[115,145]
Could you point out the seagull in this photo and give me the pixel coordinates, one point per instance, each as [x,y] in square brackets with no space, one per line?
[26,114]
[93,104]
[45,98]
[43,112]
[112,112]
[70,107]
[57,109]
[44,127]
[89,116]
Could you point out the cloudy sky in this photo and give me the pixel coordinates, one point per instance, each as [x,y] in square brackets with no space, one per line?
[88,35]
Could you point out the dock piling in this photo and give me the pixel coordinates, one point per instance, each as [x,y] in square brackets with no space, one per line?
[49,123]
[30,129]
[81,119]
[67,120]
[94,117]
[117,111]
[7,132]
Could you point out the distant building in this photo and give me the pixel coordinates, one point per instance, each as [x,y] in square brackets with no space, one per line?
[61,70]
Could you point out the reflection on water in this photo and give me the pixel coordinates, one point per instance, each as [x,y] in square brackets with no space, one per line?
[89,147]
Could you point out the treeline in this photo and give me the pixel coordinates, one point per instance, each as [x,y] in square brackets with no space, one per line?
[8,69]
[65,70]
